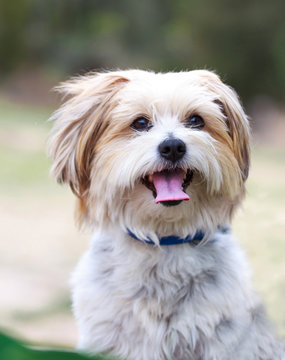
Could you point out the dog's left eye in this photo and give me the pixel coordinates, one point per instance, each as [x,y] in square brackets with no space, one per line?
[195,122]
[141,124]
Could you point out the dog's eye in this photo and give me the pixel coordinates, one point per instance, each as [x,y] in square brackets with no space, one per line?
[195,122]
[141,124]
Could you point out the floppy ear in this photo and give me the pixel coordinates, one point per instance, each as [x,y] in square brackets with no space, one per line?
[79,123]
[237,121]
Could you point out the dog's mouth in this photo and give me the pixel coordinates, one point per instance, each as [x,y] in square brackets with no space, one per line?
[169,186]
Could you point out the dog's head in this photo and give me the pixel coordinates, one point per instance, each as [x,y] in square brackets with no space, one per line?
[156,152]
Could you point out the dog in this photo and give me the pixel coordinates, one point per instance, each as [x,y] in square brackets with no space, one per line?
[158,163]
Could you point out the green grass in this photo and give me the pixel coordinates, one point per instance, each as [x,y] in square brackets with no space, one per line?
[22,168]
[58,306]
[23,159]
[22,114]
[11,349]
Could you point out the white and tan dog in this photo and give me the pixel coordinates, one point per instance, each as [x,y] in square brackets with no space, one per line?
[158,163]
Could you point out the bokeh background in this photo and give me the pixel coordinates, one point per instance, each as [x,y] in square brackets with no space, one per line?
[44,42]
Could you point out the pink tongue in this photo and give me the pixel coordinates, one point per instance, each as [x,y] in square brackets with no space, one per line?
[168,186]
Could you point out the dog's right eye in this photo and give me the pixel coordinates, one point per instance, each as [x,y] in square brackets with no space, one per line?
[141,124]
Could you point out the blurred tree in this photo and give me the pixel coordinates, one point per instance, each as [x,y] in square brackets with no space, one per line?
[13,19]
[236,38]
[243,40]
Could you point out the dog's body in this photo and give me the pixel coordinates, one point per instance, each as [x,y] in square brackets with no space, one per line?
[134,147]
[183,302]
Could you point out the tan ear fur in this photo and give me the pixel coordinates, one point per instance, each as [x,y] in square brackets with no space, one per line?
[237,121]
[79,122]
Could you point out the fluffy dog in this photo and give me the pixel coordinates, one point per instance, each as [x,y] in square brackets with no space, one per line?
[158,163]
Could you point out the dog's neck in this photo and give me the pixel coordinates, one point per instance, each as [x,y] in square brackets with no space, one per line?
[172,240]
[195,239]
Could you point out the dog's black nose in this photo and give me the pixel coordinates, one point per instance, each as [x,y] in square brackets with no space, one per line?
[172,149]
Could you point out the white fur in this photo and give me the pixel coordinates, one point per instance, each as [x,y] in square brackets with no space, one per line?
[176,302]
[148,302]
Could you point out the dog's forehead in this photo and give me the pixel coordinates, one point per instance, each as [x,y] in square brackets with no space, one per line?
[164,84]
[175,92]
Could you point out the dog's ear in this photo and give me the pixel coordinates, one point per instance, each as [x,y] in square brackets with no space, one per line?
[237,121]
[79,123]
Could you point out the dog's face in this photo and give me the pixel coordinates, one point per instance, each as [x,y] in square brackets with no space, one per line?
[155,152]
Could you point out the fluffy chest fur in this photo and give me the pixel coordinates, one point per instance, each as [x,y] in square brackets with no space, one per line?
[175,302]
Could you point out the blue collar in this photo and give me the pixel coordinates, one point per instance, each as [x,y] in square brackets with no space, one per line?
[172,240]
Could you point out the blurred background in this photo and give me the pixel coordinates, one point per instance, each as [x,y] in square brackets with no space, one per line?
[45,42]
